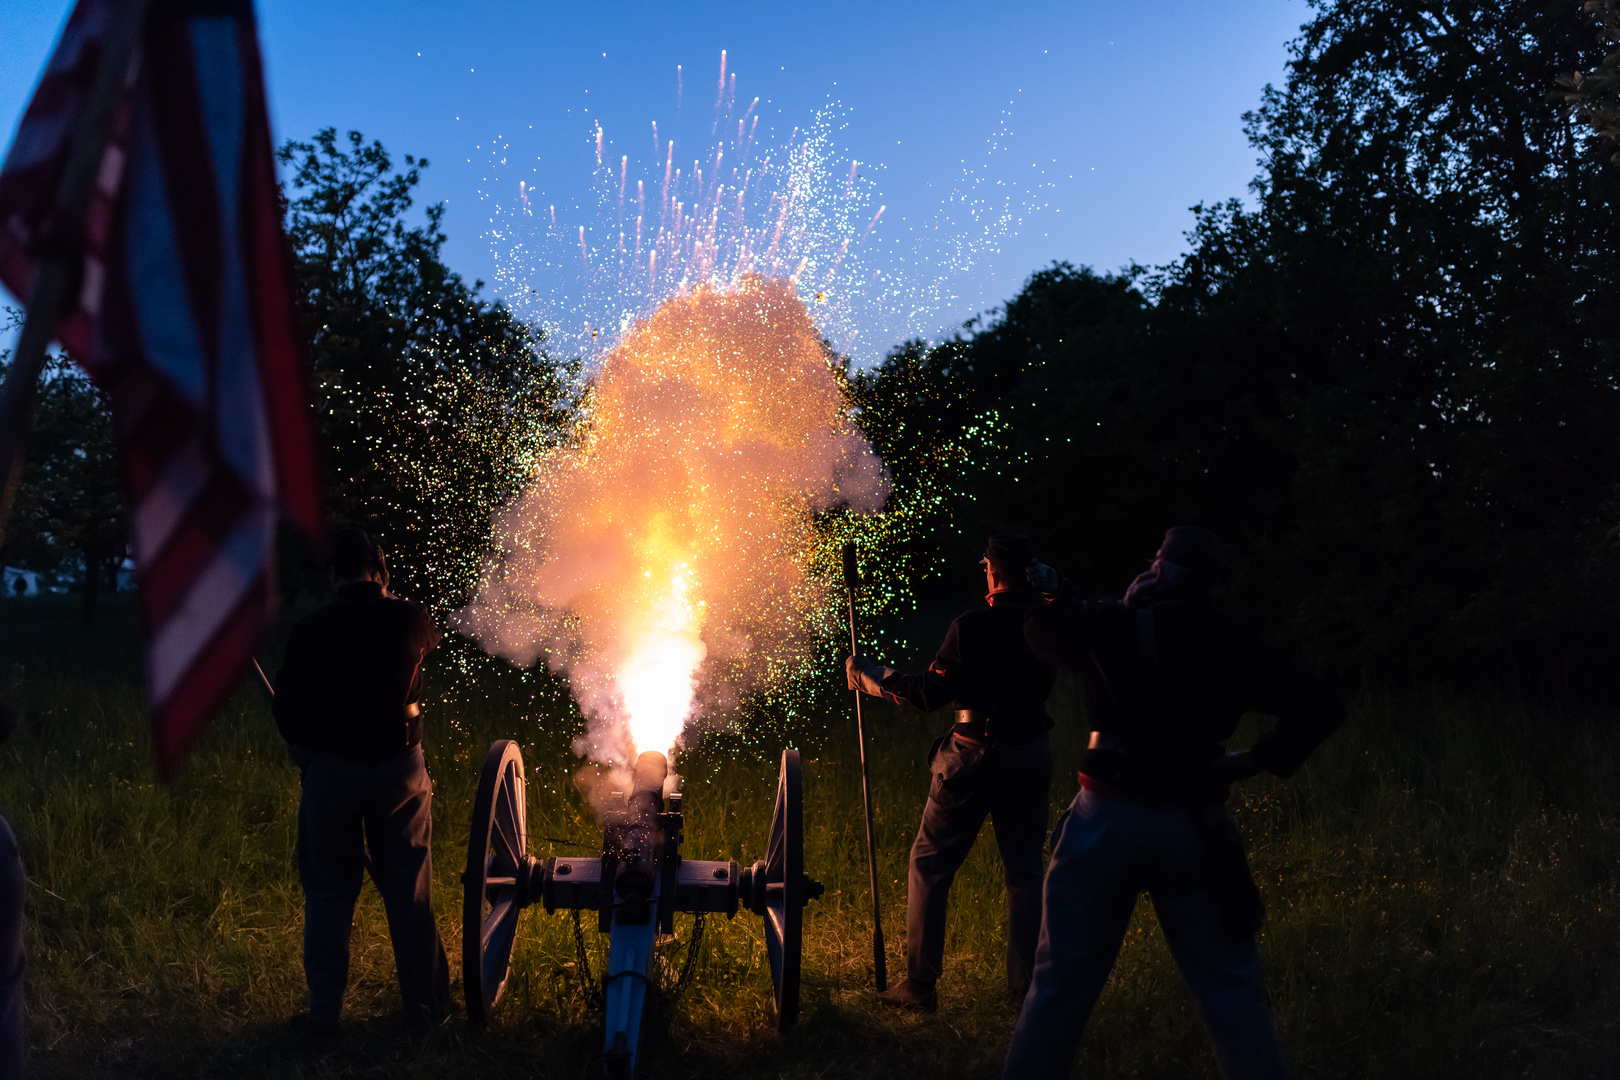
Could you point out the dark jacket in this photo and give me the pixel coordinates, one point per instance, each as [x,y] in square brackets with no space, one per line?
[985,665]
[352,675]
[1210,672]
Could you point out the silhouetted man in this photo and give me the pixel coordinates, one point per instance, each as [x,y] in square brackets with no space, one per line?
[346,702]
[1166,679]
[996,762]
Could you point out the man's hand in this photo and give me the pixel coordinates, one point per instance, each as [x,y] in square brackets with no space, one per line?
[1237,765]
[1042,578]
[863,675]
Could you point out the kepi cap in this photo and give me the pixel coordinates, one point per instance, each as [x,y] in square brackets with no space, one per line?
[1009,553]
[1198,550]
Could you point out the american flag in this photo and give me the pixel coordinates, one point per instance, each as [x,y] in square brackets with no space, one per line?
[185,316]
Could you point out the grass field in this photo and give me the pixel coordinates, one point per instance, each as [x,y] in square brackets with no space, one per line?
[1441,880]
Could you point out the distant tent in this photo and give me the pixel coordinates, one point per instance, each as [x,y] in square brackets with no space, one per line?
[27,578]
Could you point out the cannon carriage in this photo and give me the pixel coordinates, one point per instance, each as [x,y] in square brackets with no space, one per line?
[636,886]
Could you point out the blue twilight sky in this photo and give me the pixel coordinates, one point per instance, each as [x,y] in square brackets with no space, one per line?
[1106,120]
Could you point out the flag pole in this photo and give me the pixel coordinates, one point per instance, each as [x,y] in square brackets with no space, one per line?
[265,684]
[56,276]
[879,964]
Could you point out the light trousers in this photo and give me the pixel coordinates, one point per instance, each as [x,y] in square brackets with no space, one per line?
[1108,850]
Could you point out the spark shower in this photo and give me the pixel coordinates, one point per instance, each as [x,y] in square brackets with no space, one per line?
[660,556]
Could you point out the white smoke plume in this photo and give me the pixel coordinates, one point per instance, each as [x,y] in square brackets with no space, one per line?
[657,558]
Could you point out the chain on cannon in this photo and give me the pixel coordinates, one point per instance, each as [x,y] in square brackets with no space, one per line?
[636,887]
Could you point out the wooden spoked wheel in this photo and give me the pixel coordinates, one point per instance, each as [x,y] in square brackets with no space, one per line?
[785,890]
[497,855]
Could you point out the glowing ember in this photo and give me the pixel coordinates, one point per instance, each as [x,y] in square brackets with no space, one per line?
[747,202]
[658,558]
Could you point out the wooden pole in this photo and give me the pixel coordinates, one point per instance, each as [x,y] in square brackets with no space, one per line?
[56,277]
[879,963]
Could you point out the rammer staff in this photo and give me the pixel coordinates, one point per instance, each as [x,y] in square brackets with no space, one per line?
[851,580]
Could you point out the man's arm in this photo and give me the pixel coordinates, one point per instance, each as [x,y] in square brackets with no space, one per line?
[424,638]
[932,689]
[1306,708]
[1061,633]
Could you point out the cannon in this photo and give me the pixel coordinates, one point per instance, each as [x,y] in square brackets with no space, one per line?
[635,886]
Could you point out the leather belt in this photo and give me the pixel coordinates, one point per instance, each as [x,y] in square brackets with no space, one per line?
[972,726]
[1161,772]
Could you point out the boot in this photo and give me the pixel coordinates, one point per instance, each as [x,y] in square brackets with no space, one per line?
[306,1034]
[913,995]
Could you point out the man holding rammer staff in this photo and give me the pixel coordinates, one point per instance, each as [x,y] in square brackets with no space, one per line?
[995,762]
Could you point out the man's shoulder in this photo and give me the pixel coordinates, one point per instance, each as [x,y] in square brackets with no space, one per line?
[1075,607]
[1179,611]
[1209,629]
[987,618]
[313,622]
[401,605]
[1005,609]
[339,612]
[979,613]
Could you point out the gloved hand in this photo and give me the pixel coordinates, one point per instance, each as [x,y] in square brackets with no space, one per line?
[865,676]
[1143,586]
[1237,765]
[1042,578]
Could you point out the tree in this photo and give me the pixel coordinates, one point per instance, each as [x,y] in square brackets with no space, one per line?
[1419,288]
[1085,472]
[68,509]
[1390,380]
[432,403]
[1594,96]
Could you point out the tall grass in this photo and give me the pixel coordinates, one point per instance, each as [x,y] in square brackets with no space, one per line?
[1441,880]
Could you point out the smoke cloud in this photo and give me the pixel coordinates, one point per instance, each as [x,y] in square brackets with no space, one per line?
[657,558]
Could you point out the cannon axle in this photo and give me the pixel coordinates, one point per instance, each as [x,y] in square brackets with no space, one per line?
[636,886]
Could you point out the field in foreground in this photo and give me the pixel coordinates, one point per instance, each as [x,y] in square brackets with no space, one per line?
[1441,880]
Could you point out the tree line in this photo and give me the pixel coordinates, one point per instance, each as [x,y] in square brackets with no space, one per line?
[1388,378]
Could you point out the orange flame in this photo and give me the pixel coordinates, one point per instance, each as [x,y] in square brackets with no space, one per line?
[658,558]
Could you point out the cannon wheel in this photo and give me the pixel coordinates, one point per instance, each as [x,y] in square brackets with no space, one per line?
[784,890]
[496,848]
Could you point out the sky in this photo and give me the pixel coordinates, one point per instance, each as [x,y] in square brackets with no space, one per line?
[1099,124]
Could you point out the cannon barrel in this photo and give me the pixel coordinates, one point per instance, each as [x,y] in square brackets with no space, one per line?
[633,836]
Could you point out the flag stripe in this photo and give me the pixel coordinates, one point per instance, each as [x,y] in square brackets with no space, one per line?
[199,531]
[157,278]
[185,316]
[210,598]
[275,320]
[157,422]
[160,512]
[182,141]
[178,720]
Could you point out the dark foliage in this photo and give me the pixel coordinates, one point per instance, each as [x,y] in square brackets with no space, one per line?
[1593,96]
[1391,384]
[431,401]
[68,521]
